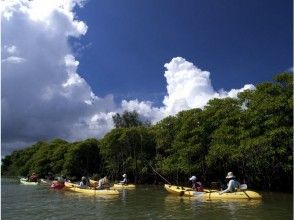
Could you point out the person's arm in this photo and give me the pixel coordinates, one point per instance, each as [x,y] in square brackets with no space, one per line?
[229,189]
[99,184]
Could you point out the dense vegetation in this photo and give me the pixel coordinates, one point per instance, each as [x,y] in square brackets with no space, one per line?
[251,136]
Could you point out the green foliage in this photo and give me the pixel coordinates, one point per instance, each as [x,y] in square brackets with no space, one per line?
[251,135]
[128,120]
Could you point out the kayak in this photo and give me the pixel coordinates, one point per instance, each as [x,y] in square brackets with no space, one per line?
[179,190]
[94,183]
[123,186]
[68,185]
[212,194]
[24,181]
[90,191]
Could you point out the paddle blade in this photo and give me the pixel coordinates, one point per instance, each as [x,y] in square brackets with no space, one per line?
[181,193]
[243,186]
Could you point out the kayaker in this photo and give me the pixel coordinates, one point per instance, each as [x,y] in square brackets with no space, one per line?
[61,180]
[58,184]
[84,182]
[196,185]
[233,184]
[125,180]
[33,178]
[103,183]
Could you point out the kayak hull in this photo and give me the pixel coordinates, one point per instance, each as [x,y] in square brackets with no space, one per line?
[179,190]
[212,194]
[121,186]
[90,191]
[25,182]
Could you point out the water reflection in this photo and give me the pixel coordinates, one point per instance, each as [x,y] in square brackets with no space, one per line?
[210,208]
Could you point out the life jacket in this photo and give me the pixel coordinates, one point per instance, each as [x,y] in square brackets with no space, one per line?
[199,187]
[33,178]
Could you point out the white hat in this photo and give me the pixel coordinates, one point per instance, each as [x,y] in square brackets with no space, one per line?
[193,178]
[124,175]
[230,175]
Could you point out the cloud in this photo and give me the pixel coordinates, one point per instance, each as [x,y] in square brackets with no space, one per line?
[187,87]
[13,60]
[44,97]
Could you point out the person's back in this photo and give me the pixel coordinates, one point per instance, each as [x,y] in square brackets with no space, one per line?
[196,185]
[103,183]
[125,180]
[232,185]
[199,187]
[83,183]
[33,178]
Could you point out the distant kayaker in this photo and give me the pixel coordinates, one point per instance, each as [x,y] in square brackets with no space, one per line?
[59,183]
[33,178]
[233,184]
[196,185]
[125,180]
[103,183]
[84,182]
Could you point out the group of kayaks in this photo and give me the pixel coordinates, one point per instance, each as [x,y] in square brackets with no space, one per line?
[207,194]
[92,190]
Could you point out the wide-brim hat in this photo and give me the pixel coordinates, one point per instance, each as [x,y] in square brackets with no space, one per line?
[230,175]
[124,175]
[193,178]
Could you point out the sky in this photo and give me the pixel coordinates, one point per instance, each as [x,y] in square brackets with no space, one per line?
[68,65]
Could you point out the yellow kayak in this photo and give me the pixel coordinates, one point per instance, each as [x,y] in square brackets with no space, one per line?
[94,183]
[179,190]
[90,191]
[211,194]
[123,186]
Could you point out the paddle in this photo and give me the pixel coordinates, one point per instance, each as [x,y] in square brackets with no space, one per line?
[159,174]
[243,187]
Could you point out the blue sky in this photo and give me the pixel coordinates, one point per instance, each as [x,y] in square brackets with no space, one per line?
[67,66]
[128,42]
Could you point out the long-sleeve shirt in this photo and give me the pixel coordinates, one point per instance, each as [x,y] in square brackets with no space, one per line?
[124,181]
[83,184]
[232,186]
[103,183]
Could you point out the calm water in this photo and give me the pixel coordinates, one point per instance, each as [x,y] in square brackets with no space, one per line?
[146,202]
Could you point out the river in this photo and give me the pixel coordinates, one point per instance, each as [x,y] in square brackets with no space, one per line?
[146,202]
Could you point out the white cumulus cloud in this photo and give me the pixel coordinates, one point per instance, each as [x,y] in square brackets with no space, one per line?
[44,97]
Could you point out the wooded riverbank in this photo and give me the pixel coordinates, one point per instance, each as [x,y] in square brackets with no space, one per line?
[251,136]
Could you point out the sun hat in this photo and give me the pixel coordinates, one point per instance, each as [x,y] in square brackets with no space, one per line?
[124,175]
[230,175]
[193,178]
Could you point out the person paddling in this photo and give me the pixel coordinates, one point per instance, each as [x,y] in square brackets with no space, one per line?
[33,178]
[196,185]
[233,184]
[125,180]
[84,182]
[103,183]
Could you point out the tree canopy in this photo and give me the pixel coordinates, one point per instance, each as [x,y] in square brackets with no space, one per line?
[251,135]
